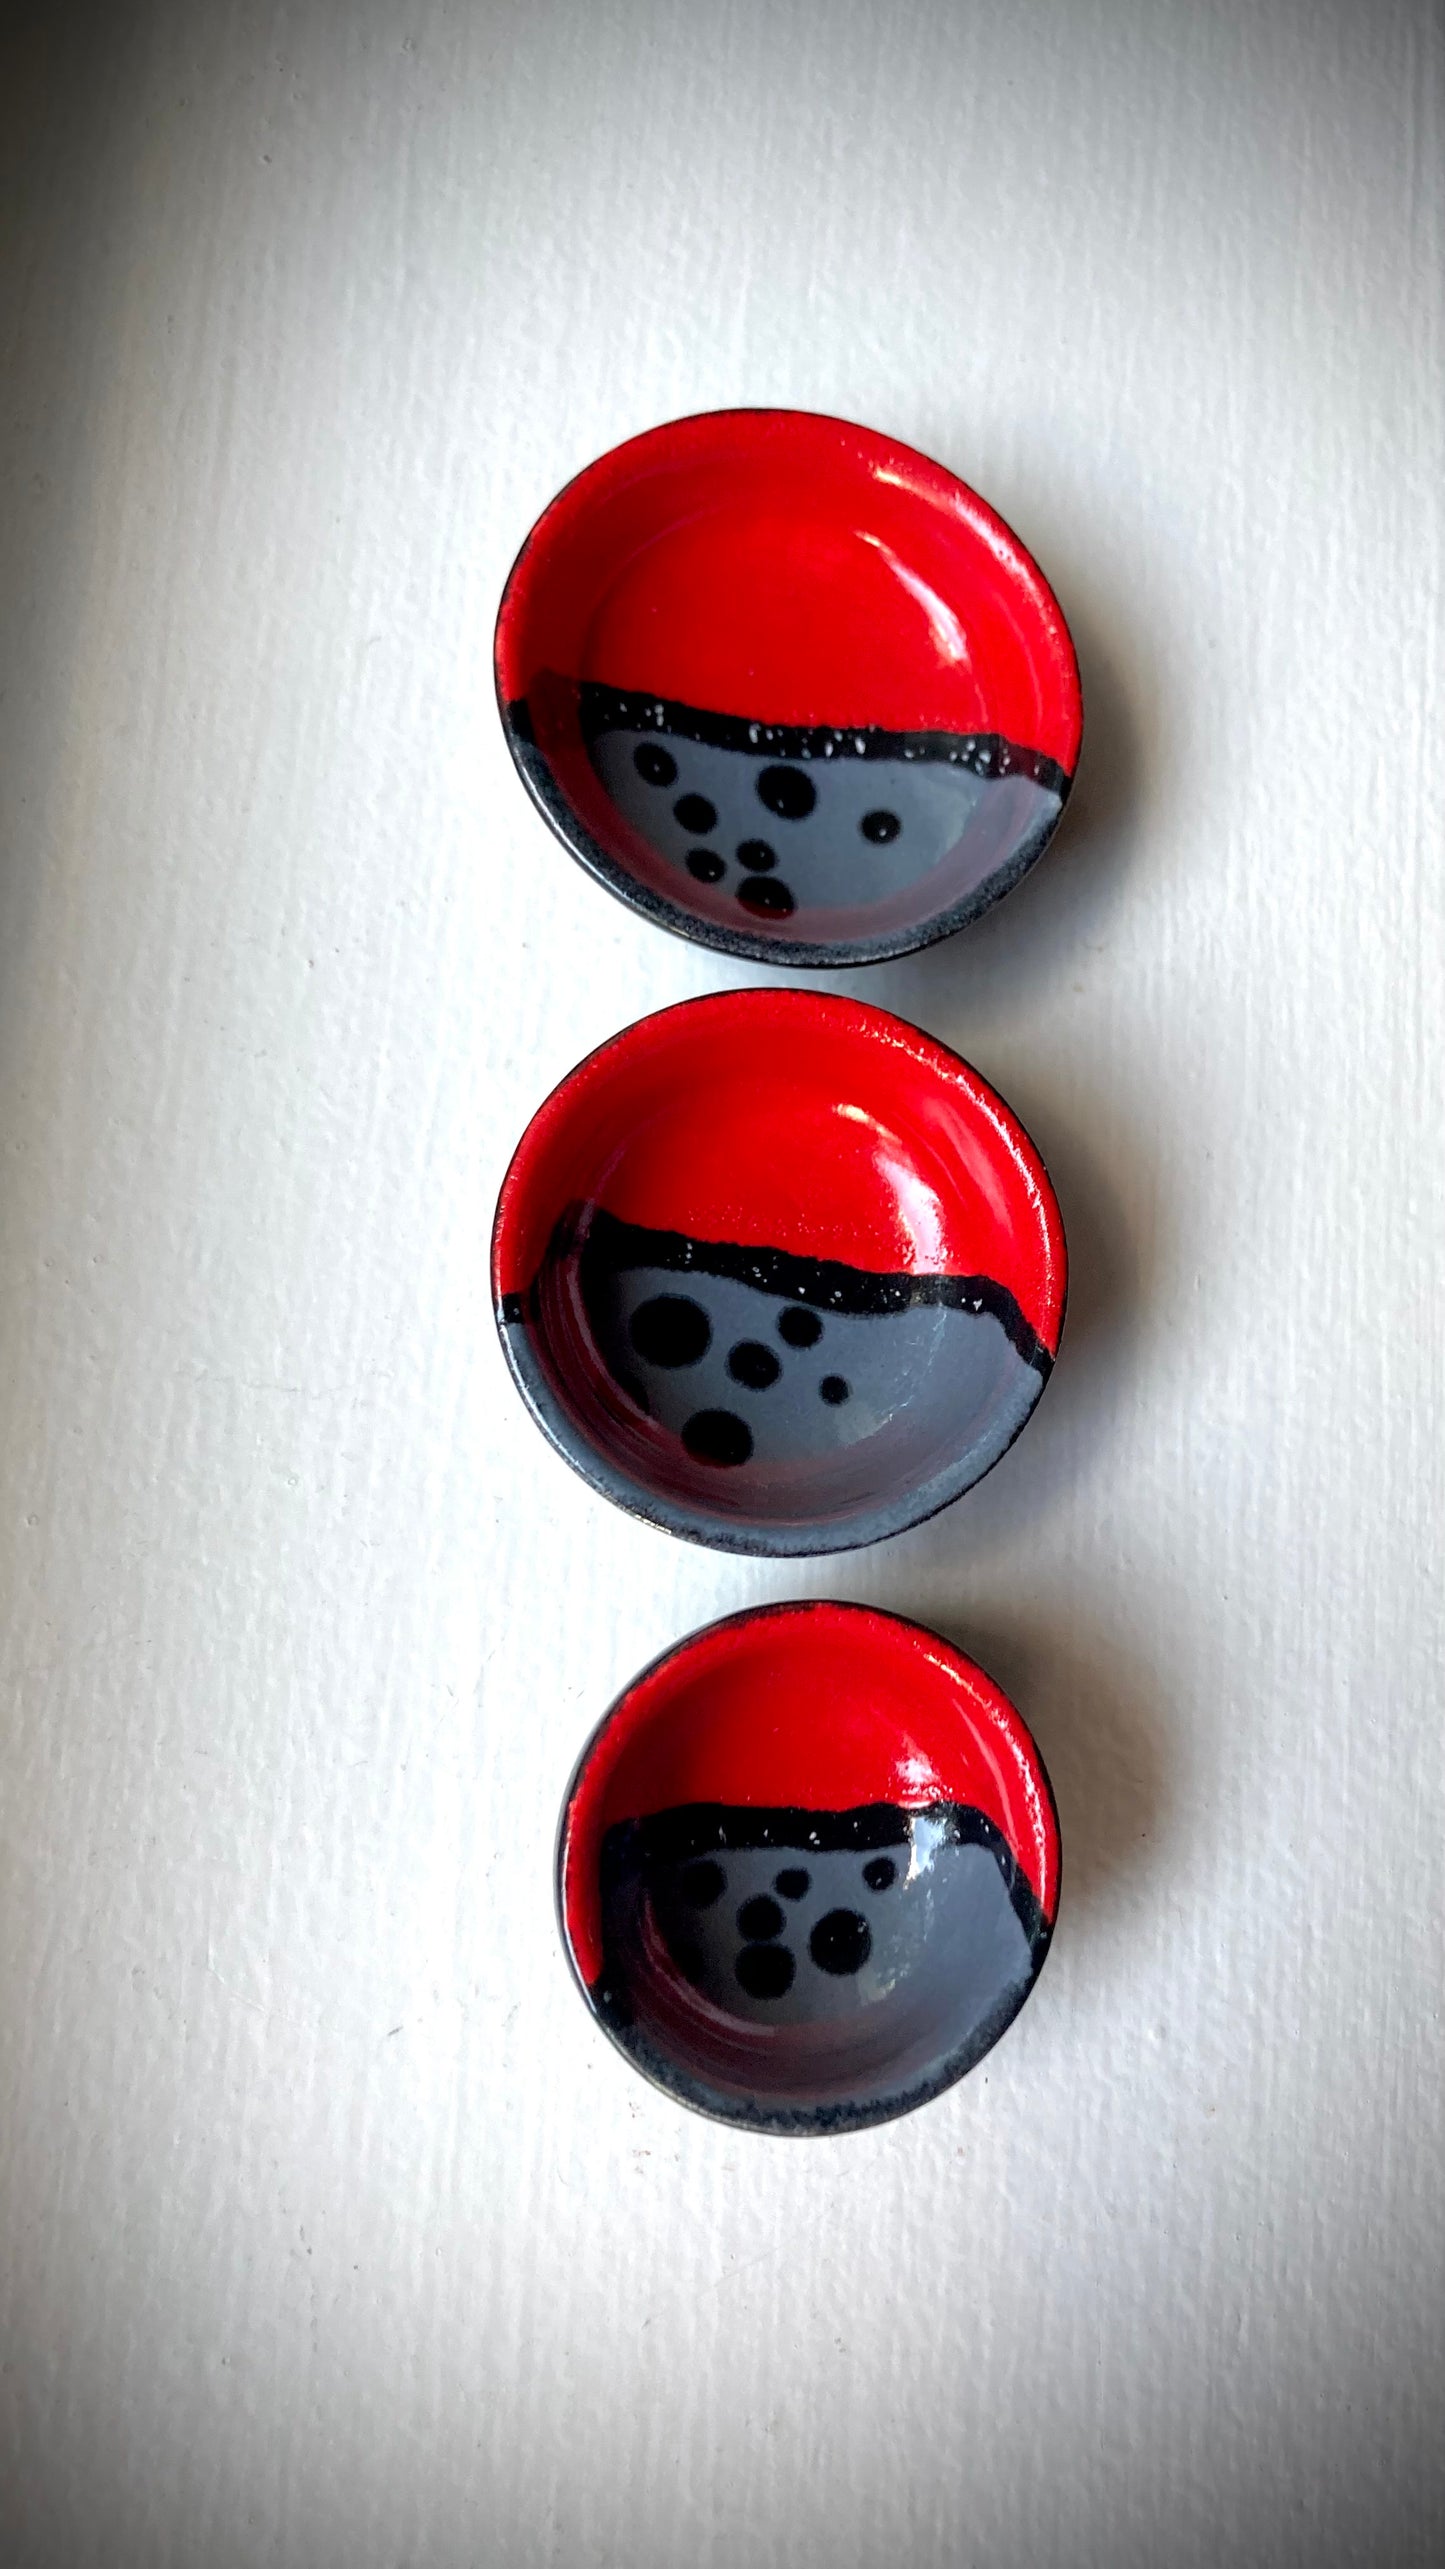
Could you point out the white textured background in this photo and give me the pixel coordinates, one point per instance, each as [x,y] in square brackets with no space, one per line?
[333,2235]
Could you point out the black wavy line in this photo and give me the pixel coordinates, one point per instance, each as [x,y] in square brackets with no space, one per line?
[826,1283]
[602,709]
[691,1829]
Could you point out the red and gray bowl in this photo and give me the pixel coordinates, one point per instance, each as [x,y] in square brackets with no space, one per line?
[779,1272]
[808,1868]
[787,687]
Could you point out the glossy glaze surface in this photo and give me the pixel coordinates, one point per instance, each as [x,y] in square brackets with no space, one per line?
[778,1271]
[808,1868]
[788,687]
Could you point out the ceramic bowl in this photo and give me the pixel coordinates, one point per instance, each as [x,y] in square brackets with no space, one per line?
[787,687]
[778,1272]
[808,1868]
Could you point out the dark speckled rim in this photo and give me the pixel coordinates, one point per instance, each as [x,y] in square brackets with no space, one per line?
[814,2122]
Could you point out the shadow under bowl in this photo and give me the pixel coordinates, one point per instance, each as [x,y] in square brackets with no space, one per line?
[778,1272]
[808,1868]
[787,687]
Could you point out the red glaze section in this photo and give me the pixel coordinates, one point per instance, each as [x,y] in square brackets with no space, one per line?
[792,569]
[814,1707]
[785,1119]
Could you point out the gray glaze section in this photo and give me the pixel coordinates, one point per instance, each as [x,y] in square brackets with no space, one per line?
[948,1963]
[902,1383]
[936,1396]
[938,1935]
[952,831]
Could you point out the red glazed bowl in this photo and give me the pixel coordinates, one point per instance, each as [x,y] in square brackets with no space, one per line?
[778,1272]
[808,1868]
[787,687]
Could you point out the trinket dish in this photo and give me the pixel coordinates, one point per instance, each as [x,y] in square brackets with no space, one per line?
[787,687]
[778,1272]
[808,1868]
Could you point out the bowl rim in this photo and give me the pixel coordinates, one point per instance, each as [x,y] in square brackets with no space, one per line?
[778,1542]
[753,945]
[839,2118]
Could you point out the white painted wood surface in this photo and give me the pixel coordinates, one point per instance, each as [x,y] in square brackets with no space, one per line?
[333,2236]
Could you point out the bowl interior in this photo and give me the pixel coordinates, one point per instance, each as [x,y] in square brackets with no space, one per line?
[808,1868]
[779,1272]
[788,686]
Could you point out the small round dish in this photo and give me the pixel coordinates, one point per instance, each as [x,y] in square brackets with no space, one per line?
[787,687]
[808,1868]
[778,1272]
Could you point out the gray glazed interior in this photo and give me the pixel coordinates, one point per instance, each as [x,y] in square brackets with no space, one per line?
[884,1416]
[809,846]
[793,1986]
[953,828]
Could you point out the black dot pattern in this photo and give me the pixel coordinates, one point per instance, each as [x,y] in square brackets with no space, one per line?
[799,800]
[766,897]
[812,1953]
[788,792]
[800,1327]
[696,813]
[753,1364]
[670,1330]
[765,1971]
[841,1942]
[717,1436]
[704,1883]
[723,1417]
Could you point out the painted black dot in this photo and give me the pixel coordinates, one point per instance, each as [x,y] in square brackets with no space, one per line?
[880,827]
[696,813]
[765,1971]
[788,792]
[801,1328]
[756,855]
[841,1942]
[834,1390]
[793,1881]
[655,765]
[703,1882]
[754,1364]
[879,1872]
[760,1918]
[670,1329]
[706,864]
[766,896]
[716,1436]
